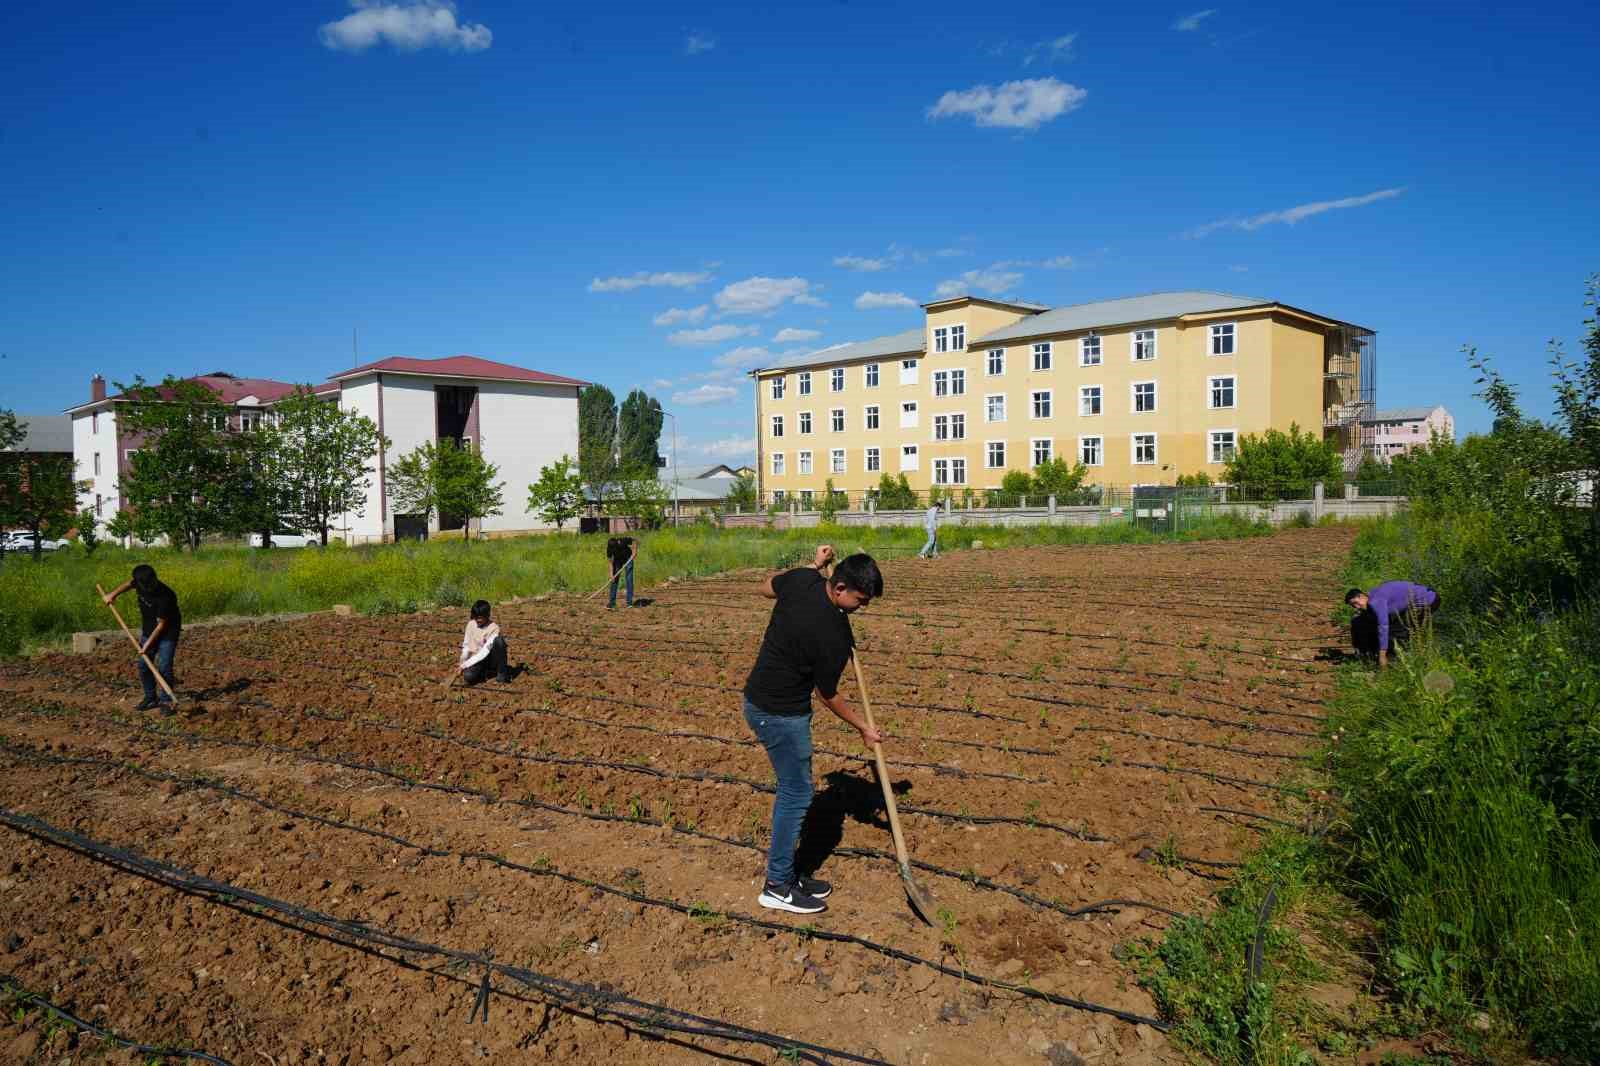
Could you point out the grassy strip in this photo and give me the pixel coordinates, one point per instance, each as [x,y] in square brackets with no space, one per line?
[54,597]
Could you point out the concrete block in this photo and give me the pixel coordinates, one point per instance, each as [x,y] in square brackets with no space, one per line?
[84,643]
[977,544]
[343,610]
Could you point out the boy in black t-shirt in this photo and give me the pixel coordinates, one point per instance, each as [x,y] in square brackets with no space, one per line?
[621,551]
[807,645]
[161,623]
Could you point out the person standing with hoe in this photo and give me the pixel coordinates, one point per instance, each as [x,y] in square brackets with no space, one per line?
[930,522]
[807,645]
[160,626]
[621,552]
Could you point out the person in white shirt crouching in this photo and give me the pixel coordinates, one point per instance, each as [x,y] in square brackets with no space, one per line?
[483,649]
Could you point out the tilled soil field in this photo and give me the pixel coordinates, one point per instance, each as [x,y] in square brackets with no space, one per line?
[326,857]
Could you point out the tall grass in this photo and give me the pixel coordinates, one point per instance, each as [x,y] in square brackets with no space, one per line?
[54,597]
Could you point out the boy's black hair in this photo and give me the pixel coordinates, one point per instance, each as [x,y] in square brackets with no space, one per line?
[860,572]
[480,609]
[144,577]
[1351,595]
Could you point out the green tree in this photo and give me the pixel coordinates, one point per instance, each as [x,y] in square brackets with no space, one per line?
[833,501]
[179,480]
[639,494]
[1578,400]
[895,493]
[1061,479]
[325,457]
[558,494]
[639,432]
[742,493]
[88,532]
[38,493]
[1194,481]
[1371,469]
[446,479]
[597,439]
[1285,463]
[1014,489]
[10,430]
[257,492]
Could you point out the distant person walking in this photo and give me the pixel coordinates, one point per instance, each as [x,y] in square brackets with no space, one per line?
[160,626]
[621,552]
[930,522]
[483,649]
[1386,615]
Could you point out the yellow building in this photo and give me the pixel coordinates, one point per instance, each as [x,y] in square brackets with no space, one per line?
[1141,390]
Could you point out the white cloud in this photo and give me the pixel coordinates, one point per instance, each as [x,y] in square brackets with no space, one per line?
[761,296]
[696,43]
[1239,268]
[1291,215]
[856,262]
[1190,23]
[794,336]
[1058,262]
[710,335]
[672,316]
[407,26]
[994,279]
[1026,104]
[704,395]
[872,301]
[724,448]
[669,279]
[1058,50]
[743,358]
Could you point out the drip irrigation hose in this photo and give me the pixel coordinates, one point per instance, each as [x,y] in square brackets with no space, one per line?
[1159,712]
[638,1013]
[1187,743]
[10,986]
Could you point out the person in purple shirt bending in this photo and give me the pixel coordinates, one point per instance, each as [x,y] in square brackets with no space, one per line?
[1386,615]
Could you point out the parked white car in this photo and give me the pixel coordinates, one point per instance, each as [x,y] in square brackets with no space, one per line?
[22,541]
[285,540]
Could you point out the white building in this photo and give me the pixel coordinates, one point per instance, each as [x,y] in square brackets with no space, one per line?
[520,419]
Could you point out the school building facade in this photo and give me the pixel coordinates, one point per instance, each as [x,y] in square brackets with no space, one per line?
[1141,390]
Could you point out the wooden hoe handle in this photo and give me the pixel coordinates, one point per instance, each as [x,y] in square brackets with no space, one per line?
[883,771]
[173,696]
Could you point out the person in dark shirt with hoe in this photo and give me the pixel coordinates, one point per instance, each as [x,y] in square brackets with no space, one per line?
[621,551]
[161,623]
[807,645]
[1386,615]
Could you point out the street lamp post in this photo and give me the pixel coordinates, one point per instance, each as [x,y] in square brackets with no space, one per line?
[675,519]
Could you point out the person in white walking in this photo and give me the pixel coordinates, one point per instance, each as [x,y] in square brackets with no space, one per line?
[930,522]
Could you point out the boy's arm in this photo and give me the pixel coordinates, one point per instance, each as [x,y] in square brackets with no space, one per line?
[119,590]
[841,707]
[155,634]
[766,588]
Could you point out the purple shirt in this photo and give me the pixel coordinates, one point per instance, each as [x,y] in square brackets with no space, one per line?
[1396,598]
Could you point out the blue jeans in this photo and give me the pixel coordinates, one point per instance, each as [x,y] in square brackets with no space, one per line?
[932,547]
[626,573]
[787,739]
[161,654]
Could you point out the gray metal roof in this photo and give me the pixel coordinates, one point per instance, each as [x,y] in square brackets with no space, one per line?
[1152,307]
[912,340]
[45,433]
[1024,304]
[1400,414]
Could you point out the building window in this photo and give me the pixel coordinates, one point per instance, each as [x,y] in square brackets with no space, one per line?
[941,471]
[941,382]
[908,457]
[869,375]
[96,464]
[218,422]
[949,471]
[836,461]
[249,423]
[805,382]
[1089,350]
[99,501]
[1089,400]
[805,462]
[1144,345]
[949,338]
[941,339]
[908,371]
[836,379]
[958,338]
[870,413]
[994,455]
[1222,391]
[1041,403]
[949,427]
[778,496]
[777,425]
[958,382]
[908,415]
[836,420]
[1144,397]
[1144,449]
[874,460]
[949,382]
[1042,450]
[1223,443]
[777,388]
[1091,451]
[1041,356]
[94,422]
[777,464]
[994,407]
[805,423]
[1222,338]
[997,362]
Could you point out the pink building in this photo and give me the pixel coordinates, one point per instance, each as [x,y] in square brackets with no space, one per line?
[1400,429]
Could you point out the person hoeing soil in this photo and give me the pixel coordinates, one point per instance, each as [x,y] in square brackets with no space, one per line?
[160,626]
[807,645]
[620,553]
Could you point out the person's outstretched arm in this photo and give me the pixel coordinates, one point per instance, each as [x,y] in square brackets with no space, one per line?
[111,596]
[841,707]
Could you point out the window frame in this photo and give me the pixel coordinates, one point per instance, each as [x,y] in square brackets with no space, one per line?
[1033,405]
[915,413]
[1100,400]
[908,371]
[1213,335]
[871,416]
[915,452]
[872,459]
[1133,397]
[836,379]
[987,410]
[838,463]
[804,462]
[1133,346]
[1083,350]
[1211,445]
[989,363]
[836,421]
[1211,392]
[940,380]
[988,455]
[804,423]
[1100,449]
[1133,449]
[1047,350]
[776,427]
[778,467]
[803,383]
[1033,451]
[870,375]
[777,384]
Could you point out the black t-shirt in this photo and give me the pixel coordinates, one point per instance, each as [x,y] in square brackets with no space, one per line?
[618,550]
[161,603]
[807,644]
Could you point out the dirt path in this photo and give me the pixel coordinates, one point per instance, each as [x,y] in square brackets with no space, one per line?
[1085,739]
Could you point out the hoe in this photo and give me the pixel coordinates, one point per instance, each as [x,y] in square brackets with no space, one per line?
[173,696]
[914,892]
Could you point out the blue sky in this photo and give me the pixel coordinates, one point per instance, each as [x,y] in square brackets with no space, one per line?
[194,187]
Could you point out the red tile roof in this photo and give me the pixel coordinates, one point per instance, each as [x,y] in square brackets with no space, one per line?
[458,366]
